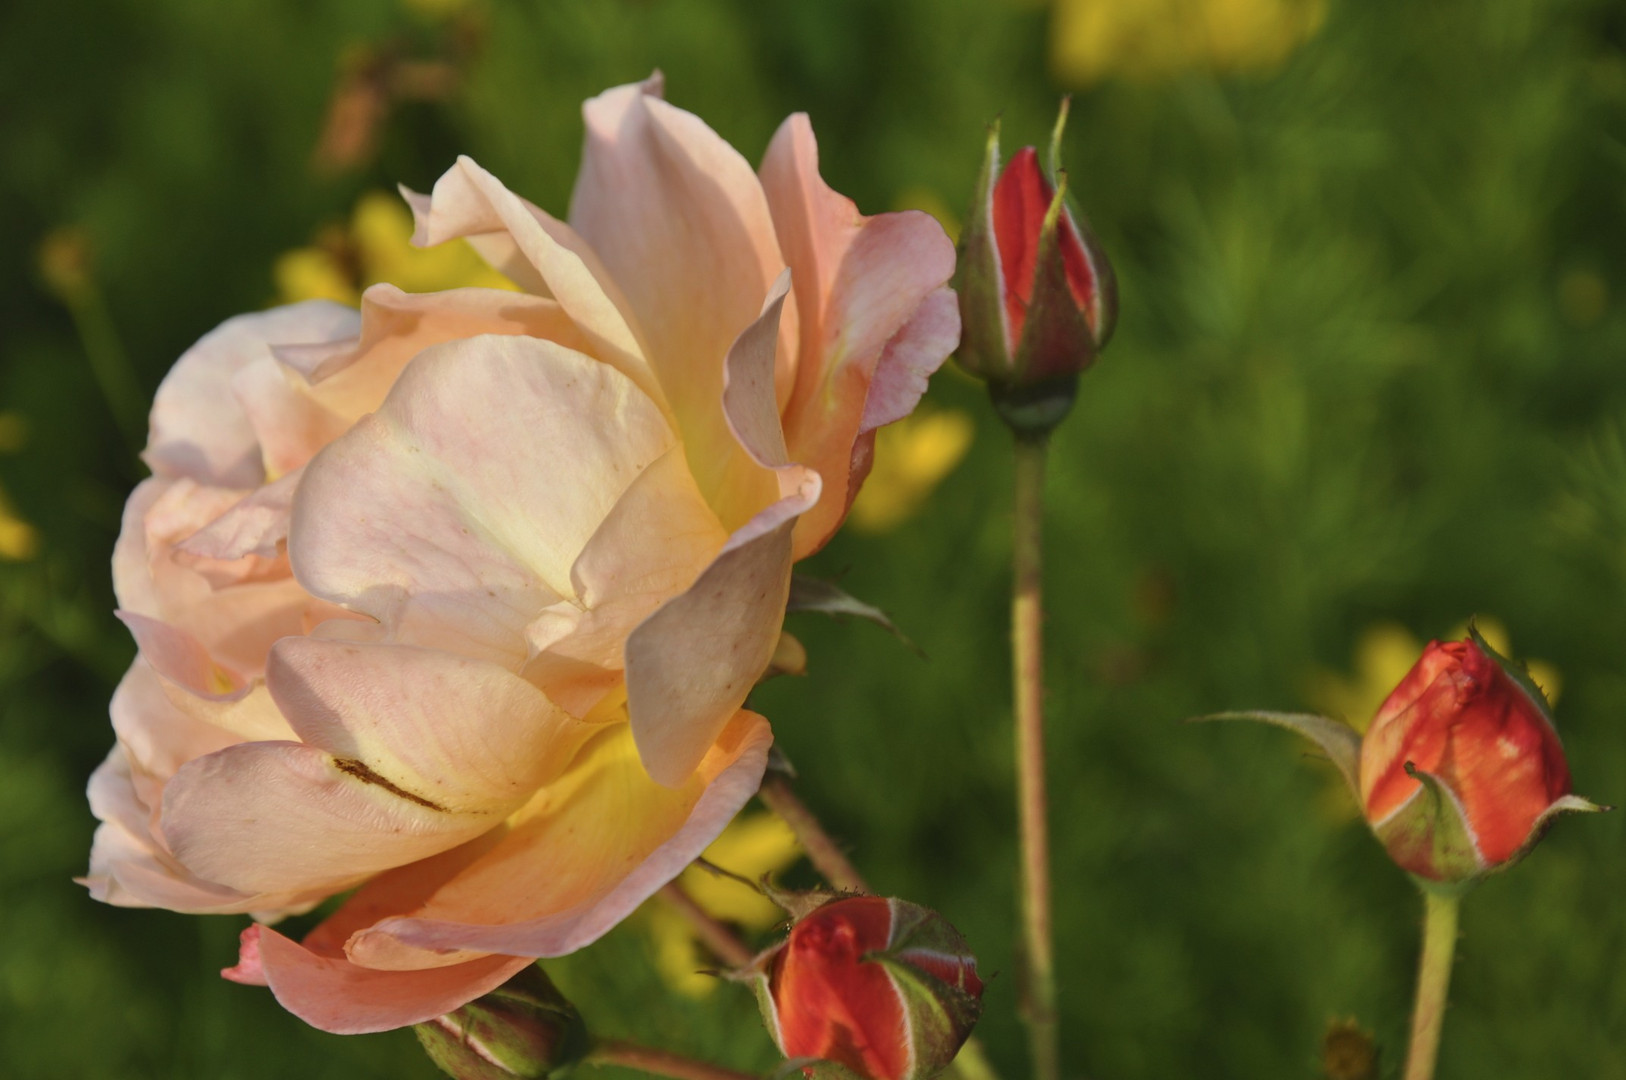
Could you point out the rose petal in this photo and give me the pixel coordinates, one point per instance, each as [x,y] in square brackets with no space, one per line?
[463,734]
[580,856]
[197,430]
[505,454]
[656,540]
[858,283]
[335,995]
[682,224]
[468,201]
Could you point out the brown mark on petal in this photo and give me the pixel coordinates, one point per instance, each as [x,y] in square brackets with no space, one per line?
[367,776]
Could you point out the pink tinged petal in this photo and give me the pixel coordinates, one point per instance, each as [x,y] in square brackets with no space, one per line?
[454,514]
[913,354]
[202,689]
[197,429]
[682,224]
[580,856]
[468,201]
[249,970]
[691,663]
[656,540]
[860,285]
[331,993]
[498,248]
[255,528]
[462,734]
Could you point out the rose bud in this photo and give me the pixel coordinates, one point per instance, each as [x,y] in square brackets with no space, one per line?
[524,1028]
[1461,770]
[1038,299]
[873,987]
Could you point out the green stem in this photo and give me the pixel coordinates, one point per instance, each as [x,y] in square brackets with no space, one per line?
[826,855]
[723,942]
[1027,655]
[1433,982]
[659,1062]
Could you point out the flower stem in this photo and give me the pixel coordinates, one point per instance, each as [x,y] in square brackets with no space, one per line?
[1433,981]
[1027,656]
[659,1062]
[723,942]
[825,853]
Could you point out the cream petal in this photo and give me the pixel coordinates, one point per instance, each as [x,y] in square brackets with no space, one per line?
[454,514]
[466,735]
[255,527]
[580,856]
[656,540]
[197,429]
[691,664]
[858,283]
[913,354]
[279,816]
[469,202]
[682,224]
[331,993]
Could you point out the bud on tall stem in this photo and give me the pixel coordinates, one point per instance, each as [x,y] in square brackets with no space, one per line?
[1038,299]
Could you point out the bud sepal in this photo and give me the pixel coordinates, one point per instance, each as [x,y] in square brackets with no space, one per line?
[525,1028]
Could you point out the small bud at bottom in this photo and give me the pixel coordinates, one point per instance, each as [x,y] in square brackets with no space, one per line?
[525,1028]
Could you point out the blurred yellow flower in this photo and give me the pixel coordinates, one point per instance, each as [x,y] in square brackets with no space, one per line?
[18,539]
[1092,40]
[912,457]
[377,246]
[754,845]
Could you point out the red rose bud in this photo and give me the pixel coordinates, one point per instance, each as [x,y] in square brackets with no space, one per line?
[1038,299]
[1462,770]
[524,1028]
[870,987]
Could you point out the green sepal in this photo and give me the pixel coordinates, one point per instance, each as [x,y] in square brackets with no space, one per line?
[984,349]
[1431,829]
[1340,742]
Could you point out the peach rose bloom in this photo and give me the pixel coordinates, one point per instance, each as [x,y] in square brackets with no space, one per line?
[454,602]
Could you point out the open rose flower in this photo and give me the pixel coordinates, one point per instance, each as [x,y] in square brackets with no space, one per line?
[454,602]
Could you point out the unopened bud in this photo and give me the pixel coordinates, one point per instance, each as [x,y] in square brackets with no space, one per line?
[871,987]
[1038,299]
[524,1028]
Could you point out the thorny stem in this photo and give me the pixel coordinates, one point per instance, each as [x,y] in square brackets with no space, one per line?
[659,1062]
[714,935]
[1433,982]
[1027,656]
[821,848]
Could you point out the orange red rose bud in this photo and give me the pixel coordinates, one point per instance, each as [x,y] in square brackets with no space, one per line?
[524,1028]
[1038,299]
[871,987]
[1462,770]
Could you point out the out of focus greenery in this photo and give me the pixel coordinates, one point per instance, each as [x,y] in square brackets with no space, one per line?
[1370,372]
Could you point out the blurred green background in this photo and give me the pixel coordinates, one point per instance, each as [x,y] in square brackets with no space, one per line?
[1369,379]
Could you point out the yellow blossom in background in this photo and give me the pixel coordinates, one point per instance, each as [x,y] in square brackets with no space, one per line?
[912,457]
[1384,653]
[18,539]
[754,845]
[377,246]
[1091,40]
